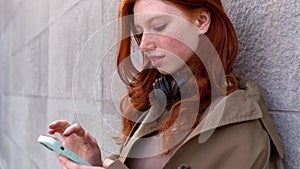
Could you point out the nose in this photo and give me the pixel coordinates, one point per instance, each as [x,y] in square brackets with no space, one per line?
[147,42]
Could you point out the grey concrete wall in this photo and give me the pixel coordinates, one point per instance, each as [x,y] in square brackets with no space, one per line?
[55,63]
[42,58]
[269,53]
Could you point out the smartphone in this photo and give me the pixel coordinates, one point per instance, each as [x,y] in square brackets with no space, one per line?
[58,148]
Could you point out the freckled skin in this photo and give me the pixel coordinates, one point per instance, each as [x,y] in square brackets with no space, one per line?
[171,41]
[175,46]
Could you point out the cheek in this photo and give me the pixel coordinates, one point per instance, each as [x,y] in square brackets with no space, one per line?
[174,46]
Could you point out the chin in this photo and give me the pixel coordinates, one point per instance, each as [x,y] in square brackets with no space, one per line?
[164,71]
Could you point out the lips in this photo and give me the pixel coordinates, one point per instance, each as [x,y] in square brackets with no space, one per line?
[155,60]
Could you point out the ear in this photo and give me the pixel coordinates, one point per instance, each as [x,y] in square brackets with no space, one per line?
[202,20]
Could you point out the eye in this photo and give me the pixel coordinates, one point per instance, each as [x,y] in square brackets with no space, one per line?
[160,28]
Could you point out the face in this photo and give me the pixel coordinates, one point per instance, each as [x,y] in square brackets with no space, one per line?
[168,37]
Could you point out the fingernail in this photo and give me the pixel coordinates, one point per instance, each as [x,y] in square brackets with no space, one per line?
[66,132]
[59,157]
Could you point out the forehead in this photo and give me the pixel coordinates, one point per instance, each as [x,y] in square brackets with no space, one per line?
[148,6]
[146,9]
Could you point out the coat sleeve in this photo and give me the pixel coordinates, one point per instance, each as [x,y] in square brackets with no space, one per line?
[244,145]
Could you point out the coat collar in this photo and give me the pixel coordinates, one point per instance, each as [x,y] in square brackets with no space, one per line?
[242,105]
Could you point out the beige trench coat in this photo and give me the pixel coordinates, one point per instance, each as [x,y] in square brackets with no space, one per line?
[243,138]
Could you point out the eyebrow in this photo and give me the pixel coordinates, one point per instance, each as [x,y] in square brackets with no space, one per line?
[148,21]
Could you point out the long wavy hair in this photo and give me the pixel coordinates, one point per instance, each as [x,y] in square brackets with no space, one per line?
[222,36]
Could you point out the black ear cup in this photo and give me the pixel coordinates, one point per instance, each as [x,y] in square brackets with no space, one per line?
[168,85]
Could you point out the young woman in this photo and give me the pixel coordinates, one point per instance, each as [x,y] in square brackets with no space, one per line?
[184,109]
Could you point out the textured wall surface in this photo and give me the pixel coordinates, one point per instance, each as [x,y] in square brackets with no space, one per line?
[43,57]
[57,62]
[269,54]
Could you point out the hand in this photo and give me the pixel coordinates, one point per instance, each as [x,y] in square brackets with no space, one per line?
[66,163]
[77,140]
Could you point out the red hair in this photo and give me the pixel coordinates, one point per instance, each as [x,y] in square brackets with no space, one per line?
[139,84]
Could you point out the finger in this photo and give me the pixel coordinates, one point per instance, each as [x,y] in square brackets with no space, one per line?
[58,126]
[62,167]
[75,128]
[66,163]
[51,131]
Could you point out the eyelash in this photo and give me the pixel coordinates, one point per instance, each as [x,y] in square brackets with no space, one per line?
[139,36]
[160,28]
